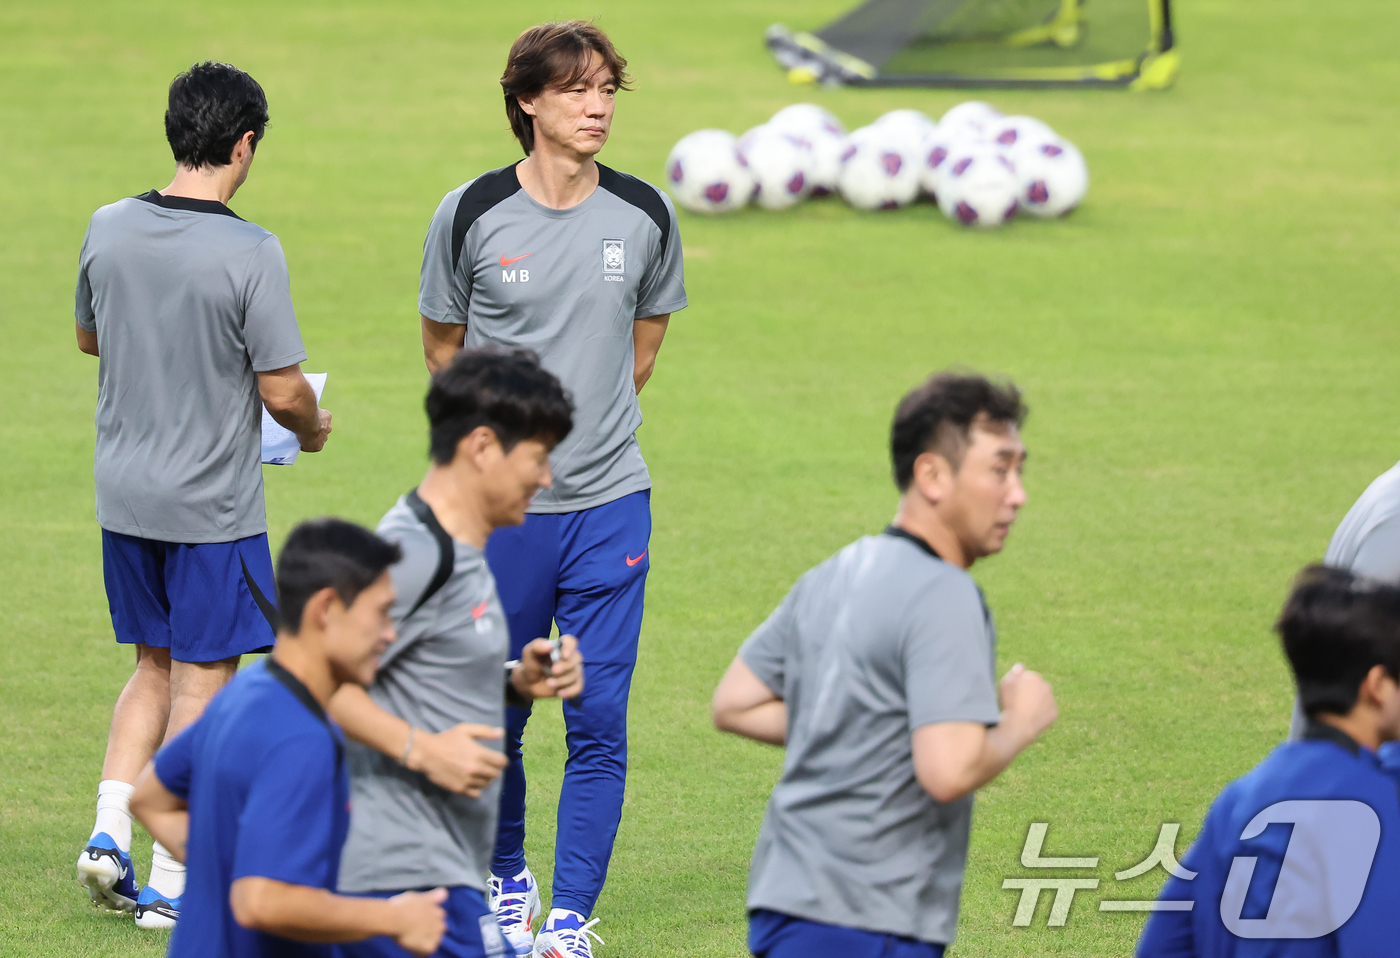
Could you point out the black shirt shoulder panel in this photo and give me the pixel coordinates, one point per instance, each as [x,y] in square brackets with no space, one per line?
[640,194]
[486,191]
[187,203]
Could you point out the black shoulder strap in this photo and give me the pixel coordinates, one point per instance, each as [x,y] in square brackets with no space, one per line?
[447,553]
[640,194]
[486,191]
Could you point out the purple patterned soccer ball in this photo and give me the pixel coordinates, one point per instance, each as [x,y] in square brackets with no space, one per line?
[880,170]
[705,174]
[1054,177]
[781,166]
[979,187]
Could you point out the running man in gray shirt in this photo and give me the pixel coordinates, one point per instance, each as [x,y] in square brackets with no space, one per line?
[877,674]
[582,264]
[1368,544]
[190,311]
[425,750]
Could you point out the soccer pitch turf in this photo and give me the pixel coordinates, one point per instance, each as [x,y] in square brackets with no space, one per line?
[1208,347]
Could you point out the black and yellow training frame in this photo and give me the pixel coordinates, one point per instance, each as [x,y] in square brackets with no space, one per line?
[987,43]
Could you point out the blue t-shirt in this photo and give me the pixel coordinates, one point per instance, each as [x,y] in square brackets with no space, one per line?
[1317,875]
[263,773]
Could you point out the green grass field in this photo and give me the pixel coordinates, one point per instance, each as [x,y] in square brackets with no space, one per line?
[1208,347]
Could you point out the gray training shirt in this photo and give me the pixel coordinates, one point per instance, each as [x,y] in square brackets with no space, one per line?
[189,303]
[1368,544]
[447,666]
[567,284]
[1368,540]
[879,640]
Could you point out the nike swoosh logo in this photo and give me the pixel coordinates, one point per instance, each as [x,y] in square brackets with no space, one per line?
[631,561]
[480,610]
[507,262]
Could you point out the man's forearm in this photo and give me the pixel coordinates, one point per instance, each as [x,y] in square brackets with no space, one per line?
[364,721]
[309,914]
[301,414]
[441,341]
[762,723]
[647,335]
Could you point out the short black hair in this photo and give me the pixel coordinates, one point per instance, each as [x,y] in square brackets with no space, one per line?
[507,391]
[939,414]
[1336,627]
[211,106]
[328,554]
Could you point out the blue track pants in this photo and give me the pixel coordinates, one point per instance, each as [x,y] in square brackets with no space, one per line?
[585,571]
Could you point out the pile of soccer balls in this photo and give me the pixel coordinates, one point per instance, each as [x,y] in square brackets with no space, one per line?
[980,166]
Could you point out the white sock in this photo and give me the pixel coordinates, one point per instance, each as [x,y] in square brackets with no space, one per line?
[113,812]
[167,875]
[556,913]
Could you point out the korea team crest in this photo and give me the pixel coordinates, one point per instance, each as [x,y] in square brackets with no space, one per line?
[614,257]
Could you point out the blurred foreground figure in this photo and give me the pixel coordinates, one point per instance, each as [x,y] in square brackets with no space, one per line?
[877,674]
[254,795]
[1300,858]
[190,309]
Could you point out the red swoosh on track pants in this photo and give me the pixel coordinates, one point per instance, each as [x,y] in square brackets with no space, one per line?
[631,561]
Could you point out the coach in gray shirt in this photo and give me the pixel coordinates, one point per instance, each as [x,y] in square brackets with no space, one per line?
[189,308]
[877,675]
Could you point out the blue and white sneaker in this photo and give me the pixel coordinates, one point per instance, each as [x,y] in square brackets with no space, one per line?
[105,871]
[516,904]
[567,937]
[154,910]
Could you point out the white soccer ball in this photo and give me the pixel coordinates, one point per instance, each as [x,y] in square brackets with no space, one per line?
[911,126]
[781,167]
[979,187]
[705,173]
[879,171]
[944,142]
[972,117]
[1013,131]
[1054,177]
[801,119]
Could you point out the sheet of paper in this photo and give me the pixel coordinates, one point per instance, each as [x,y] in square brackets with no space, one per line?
[279,444]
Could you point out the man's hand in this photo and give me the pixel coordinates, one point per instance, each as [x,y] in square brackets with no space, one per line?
[1027,704]
[456,760]
[538,676]
[422,921]
[316,441]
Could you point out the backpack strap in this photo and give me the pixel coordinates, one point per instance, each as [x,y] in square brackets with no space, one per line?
[446,550]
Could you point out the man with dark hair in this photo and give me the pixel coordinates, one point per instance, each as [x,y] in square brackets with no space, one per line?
[190,309]
[254,795]
[426,751]
[877,674]
[1300,858]
[583,264]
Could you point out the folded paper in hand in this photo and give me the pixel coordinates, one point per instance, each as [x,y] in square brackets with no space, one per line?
[279,444]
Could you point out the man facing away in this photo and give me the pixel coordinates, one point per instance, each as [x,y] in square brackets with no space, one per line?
[1300,858]
[582,264]
[426,754]
[254,795]
[190,310]
[877,675]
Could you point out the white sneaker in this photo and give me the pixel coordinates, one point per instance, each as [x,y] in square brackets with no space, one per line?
[516,904]
[567,937]
[105,871]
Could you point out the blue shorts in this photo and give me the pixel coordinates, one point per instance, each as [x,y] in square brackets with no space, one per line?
[204,602]
[775,935]
[472,931]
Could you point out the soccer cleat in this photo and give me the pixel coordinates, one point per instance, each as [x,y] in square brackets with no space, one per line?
[516,904]
[154,910]
[567,937]
[105,871]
